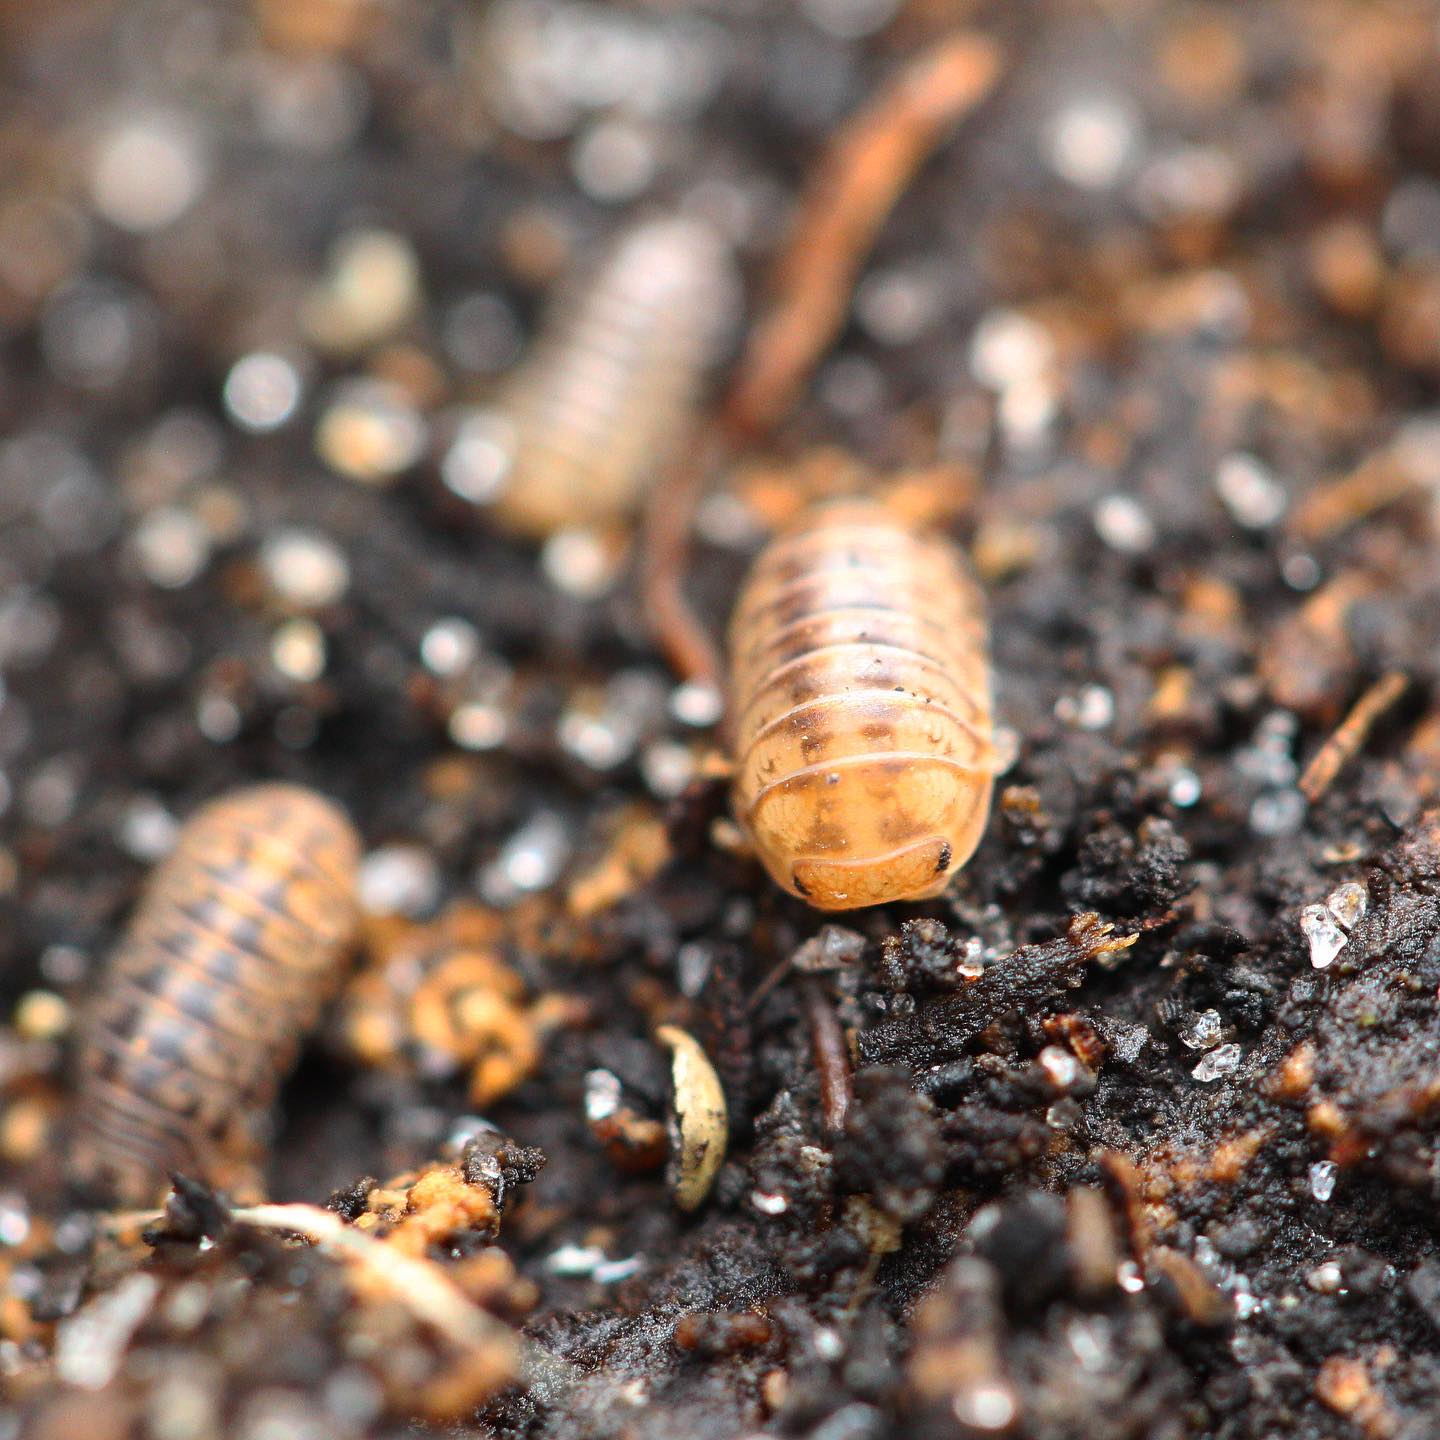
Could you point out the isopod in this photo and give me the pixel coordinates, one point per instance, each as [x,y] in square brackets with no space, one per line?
[604,396]
[862,714]
[236,943]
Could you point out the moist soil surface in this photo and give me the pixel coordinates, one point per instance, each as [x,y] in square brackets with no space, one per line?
[1133,1132]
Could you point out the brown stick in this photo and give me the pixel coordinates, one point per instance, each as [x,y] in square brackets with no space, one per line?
[1352,732]
[866,169]
[1377,482]
[827,1044]
[683,638]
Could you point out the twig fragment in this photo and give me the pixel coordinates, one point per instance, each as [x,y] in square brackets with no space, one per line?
[1350,735]
[425,1290]
[832,1060]
[669,516]
[866,169]
[417,1283]
[1377,482]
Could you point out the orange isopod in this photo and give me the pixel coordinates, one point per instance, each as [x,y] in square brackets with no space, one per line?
[862,714]
[603,397]
[236,944]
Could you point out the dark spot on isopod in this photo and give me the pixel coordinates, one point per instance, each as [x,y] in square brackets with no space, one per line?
[943,863]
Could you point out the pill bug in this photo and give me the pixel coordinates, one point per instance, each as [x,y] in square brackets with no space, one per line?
[604,395]
[861,709]
[235,945]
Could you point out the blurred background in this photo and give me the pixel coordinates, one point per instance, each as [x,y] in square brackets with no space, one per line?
[1160,321]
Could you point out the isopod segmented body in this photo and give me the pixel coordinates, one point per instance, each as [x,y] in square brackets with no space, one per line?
[237,942]
[862,718]
[604,396]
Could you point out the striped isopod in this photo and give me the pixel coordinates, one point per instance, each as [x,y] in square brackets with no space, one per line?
[602,400]
[237,942]
[861,720]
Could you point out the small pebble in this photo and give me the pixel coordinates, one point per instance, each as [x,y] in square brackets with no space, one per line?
[1061,1068]
[697,703]
[172,546]
[1348,903]
[985,1405]
[898,306]
[1185,787]
[371,287]
[1326,939]
[1009,348]
[218,718]
[1091,142]
[1121,522]
[1217,1063]
[262,391]
[1204,1031]
[481,334]
[298,651]
[599,741]
[850,19]
[1322,1179]
[304,569]
[1129,1278]
[581,563]
[14,1220]
[147,830]
[369,432]
[399,880]
[147,173]
[530,860]
[478,460]
[1093,708]
[1280,812]
[576,1261]
[971,964]
[478,726]
[449,646]
[693,964]
[1250,492]
[667,767]
[615,160]
[41,1015]
[1300,571]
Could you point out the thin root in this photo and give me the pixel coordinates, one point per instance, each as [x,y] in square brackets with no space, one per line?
[417,1283]
[1350,735]
[664,559]
[832,1060]
[866,169]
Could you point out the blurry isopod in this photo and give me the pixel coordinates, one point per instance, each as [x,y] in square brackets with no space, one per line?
[603,398]
[236,944]
[701,1120]
[862,714]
